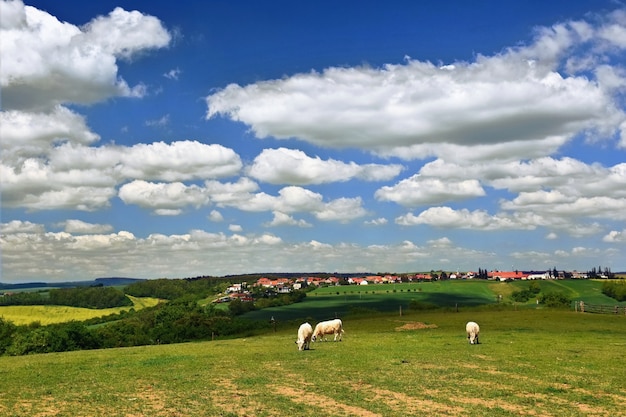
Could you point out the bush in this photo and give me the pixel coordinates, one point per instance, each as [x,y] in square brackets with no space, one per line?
[555,299]
[615,289]
[526,294]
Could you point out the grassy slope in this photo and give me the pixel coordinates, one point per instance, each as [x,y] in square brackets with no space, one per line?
[530,362]
[339,301]
[60,314]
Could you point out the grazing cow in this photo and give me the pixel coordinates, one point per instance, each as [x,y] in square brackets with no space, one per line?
[304,336]
[472,330]
[328,327]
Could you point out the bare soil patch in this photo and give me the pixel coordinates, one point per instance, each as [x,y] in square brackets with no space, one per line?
[325,405]
[415,325]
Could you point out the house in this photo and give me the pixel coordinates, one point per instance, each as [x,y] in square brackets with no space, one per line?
[506,275]
[243,297]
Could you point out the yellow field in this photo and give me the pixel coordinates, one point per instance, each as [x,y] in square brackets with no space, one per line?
[59,314]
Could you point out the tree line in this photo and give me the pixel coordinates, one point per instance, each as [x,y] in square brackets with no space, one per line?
[179,318]
[85,297]
[615,289]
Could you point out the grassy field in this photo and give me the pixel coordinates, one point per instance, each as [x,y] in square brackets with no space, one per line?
[530,362]
[339,301]
[61,314]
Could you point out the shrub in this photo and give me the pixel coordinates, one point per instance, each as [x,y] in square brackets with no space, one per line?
[615,289]
[555,299]
[526,294]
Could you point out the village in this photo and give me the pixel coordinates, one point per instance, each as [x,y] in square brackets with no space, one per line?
[287,285]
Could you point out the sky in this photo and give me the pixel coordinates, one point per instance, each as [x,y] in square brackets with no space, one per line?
[171,140]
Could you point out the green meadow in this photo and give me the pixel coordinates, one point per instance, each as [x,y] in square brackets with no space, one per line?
[452,294]
[404,353]
[537,362]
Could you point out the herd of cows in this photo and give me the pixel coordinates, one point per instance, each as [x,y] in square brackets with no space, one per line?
[306,333]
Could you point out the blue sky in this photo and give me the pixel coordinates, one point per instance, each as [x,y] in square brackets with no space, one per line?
[152,139]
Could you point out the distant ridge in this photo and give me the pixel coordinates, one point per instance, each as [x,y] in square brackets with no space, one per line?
[100,282]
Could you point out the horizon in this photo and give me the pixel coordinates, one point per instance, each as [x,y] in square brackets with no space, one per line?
[192,139]
[301,275]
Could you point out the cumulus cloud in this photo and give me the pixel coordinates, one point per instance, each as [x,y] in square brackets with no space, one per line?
[291,166]
[556,203]
[381,221]
[177,161]
[42,57]
[75,226]
[419,190]
[615,236]
[32,134]
[517,103]
[215,216]
[466,219]
[19,226]
[33,181]
[294,199]
[284,219]
[164,198]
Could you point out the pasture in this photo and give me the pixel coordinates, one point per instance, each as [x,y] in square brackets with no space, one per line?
[327,302]
[537,362]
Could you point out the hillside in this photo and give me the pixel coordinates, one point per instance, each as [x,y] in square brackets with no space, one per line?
[106,282]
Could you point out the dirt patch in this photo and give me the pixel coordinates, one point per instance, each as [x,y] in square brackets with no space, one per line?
[324,404]
[400,402]
[415,325]
[233,400]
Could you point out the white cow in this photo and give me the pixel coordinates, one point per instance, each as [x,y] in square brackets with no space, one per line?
[304,336]
[328,327]
[472,330]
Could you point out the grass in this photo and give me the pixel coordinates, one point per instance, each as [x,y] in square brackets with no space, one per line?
[530,362]
[60,314]
[329,302]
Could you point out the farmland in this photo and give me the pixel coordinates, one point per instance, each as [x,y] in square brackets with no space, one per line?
[404,353]
[60,314]
[530,362]
[342,300]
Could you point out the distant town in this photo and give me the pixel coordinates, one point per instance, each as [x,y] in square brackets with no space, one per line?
[287,285]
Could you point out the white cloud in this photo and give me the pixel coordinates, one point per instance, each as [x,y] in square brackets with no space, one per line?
[290,166]
[381,221]
[235,228]
[447,217]
[173,74]
[555,203]
[615,236]
[32,134]
[178,161]
[231,194]
[419,190]
[215,216]
[47,62]
[283,219]
[75,226]
[515,104]
[19,226]
[163,197]
[342,209]
[33,182]
[161,122]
